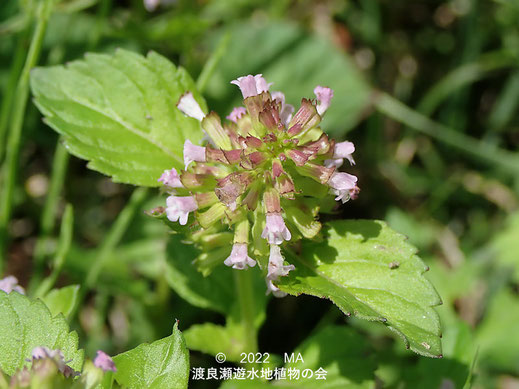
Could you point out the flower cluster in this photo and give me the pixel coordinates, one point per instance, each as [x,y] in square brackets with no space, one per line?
[262,175]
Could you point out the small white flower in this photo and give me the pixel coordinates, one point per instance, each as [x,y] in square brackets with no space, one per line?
[171,178]
[343,185]
[193,153]
[239,258]
[324,96]
[276,268]
[275,230]
[251,85]
[178,208]
[341,150]
[188,105]
[10,283]
[271,288]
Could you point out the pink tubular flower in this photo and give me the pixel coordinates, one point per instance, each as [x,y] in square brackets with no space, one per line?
[236,113]
[251,85]
[275,231]
[285,114]
[324,96]
[171,178]
[188,105]
[104,362]
[276,268]
[43,352]
[10,283]
[193,153]
[239,258]
[271,288]
[342,150]
[343,185]
[178,208]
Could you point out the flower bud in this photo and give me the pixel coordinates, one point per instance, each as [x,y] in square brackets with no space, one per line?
[236,113]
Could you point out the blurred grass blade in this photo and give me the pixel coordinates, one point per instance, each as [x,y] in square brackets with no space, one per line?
[506,105]
[10,90]
[48,220]
[65,240]
[479,150]
[18,113]
[212,63]
[462,76]
[115,234]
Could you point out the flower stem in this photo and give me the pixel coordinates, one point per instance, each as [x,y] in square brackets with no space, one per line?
[244,284]
[115,234]
[17,118]
[48,220]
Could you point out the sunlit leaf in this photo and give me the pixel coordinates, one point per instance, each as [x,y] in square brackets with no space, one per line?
[26,324]
[370,271]
[119,112]
[161,364]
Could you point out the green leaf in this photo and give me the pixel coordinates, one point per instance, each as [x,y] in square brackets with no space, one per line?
[62,300]
[277,48]
[370,271]
[119,112]
[161,364]
[215,291]
[26,324]
[340,351]
[212,339]
[499,347]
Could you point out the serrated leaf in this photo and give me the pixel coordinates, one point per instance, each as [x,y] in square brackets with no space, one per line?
[276,48]
[26,324]
[370,271]
[62,300]
[119,112]
[161,364]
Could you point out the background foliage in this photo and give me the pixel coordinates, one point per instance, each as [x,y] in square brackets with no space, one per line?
[427,90]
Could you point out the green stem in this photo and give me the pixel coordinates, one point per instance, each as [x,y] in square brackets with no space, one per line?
[65,240]
[478,149]
[244,291]
[8,97]
[17,118]
[48,220]
[212,63]
[115,234]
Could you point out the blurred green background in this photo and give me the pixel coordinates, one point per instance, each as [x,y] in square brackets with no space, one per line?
[427,90]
